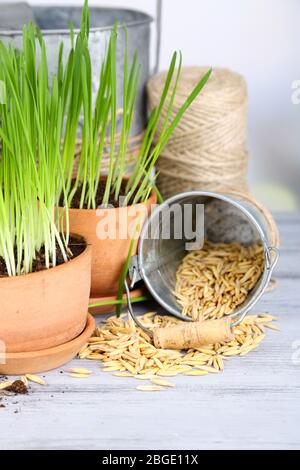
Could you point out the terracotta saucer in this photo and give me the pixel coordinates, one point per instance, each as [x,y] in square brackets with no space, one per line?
[110,308]
[46,359]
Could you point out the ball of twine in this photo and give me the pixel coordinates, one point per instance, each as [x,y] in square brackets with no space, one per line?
[207,150]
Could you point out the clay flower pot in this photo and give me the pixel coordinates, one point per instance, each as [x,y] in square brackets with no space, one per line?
[46,359]
[109,254]
[45,309]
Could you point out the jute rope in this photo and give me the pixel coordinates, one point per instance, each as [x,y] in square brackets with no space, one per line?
[207,150]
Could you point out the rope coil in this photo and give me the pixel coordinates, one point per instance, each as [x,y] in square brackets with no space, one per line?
[207,150]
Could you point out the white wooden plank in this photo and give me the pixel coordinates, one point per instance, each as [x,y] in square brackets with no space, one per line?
[254,403]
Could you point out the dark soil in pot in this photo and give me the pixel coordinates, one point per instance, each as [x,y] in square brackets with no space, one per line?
[99,197]
[76,246]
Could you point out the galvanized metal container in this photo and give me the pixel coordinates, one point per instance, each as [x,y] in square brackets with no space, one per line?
[226,219]
[54,21]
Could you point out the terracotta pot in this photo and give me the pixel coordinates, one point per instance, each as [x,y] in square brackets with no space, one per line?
[46,359]
[47,308]
[108,255]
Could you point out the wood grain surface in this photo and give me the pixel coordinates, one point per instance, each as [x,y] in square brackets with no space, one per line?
[253,404]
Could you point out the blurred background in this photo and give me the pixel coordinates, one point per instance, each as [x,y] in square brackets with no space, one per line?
[259,39]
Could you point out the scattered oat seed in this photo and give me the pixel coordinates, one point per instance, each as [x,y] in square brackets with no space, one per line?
[148,388]
[36,379]
[163,383]
[80,370]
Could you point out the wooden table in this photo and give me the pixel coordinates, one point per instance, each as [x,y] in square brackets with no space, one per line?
[254,403]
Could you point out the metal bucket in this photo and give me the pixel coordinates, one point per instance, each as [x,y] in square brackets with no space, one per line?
[54,21]
[225,219]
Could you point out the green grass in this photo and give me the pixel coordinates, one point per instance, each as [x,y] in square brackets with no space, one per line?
[39,128]
[31,171]
[100,122]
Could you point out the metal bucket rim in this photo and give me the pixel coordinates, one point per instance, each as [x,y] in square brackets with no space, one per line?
[148,19]
[263,281]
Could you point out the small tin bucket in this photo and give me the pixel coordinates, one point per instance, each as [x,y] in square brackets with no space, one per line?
[221,218]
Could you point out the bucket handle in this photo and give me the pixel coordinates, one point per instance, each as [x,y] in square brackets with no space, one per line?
[132,314]
[272,254]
